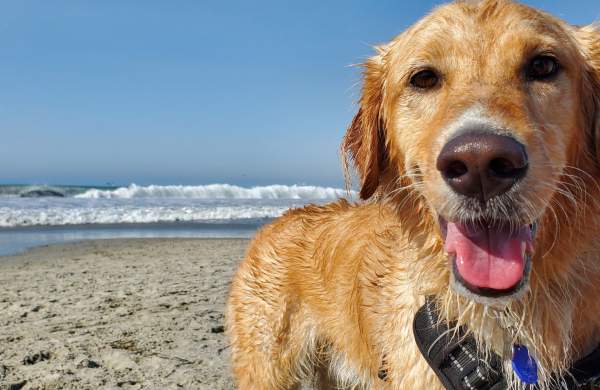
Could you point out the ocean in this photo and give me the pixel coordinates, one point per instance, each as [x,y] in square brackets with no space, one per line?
[31,216]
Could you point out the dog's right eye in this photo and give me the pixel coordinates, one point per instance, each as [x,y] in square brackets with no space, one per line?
[425,79]
[542,68]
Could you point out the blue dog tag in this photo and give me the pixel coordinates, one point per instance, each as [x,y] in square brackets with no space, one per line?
[524,365]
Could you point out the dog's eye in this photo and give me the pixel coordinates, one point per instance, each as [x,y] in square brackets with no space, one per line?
[542,68]
[425,79]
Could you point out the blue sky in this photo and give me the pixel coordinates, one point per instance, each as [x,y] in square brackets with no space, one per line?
[190,92]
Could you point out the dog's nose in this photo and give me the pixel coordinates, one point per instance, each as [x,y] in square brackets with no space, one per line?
[482,165]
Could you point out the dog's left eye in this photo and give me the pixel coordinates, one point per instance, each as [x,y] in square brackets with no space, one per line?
[542,68]
[425,79]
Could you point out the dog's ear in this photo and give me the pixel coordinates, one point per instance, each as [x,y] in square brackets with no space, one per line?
[364,142]
[589,40]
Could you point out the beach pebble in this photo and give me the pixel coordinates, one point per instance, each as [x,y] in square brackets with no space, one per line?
[34,358]
[131,385]
[88,363]
[217,329]
[17,385]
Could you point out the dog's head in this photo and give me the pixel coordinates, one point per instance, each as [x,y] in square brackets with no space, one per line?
[490,113]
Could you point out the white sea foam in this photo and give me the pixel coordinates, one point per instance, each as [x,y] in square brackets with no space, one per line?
[60,216]
[159,204]
[217,191]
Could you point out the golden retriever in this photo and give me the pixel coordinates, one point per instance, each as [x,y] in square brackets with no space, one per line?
[477,145]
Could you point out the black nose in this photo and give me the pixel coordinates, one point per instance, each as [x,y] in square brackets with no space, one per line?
[482,165]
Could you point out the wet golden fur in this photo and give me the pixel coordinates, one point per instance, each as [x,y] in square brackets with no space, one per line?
[328,293]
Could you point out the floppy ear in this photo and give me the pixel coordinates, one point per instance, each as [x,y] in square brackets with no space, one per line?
[364,142]
[589,39]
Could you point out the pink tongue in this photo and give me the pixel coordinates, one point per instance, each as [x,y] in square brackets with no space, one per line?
[489,258]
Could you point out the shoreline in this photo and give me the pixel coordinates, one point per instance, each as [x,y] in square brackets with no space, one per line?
[18,240]
[38,251]
[145,225]
[118,313]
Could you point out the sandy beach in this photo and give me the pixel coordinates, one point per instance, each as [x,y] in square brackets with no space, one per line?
[117,314]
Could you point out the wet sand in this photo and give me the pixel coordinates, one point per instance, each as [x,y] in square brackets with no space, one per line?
[117,314]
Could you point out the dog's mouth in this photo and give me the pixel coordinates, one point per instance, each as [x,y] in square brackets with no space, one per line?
[489,259]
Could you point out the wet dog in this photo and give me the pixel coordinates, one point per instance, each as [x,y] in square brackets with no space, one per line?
[477,145]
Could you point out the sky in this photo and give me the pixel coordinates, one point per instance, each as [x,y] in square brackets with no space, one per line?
[190,92]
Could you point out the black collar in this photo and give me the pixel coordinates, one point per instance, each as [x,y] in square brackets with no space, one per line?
[454,358]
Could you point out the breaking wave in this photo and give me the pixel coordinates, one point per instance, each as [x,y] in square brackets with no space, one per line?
[61,216]
[217,191]
[134,204]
